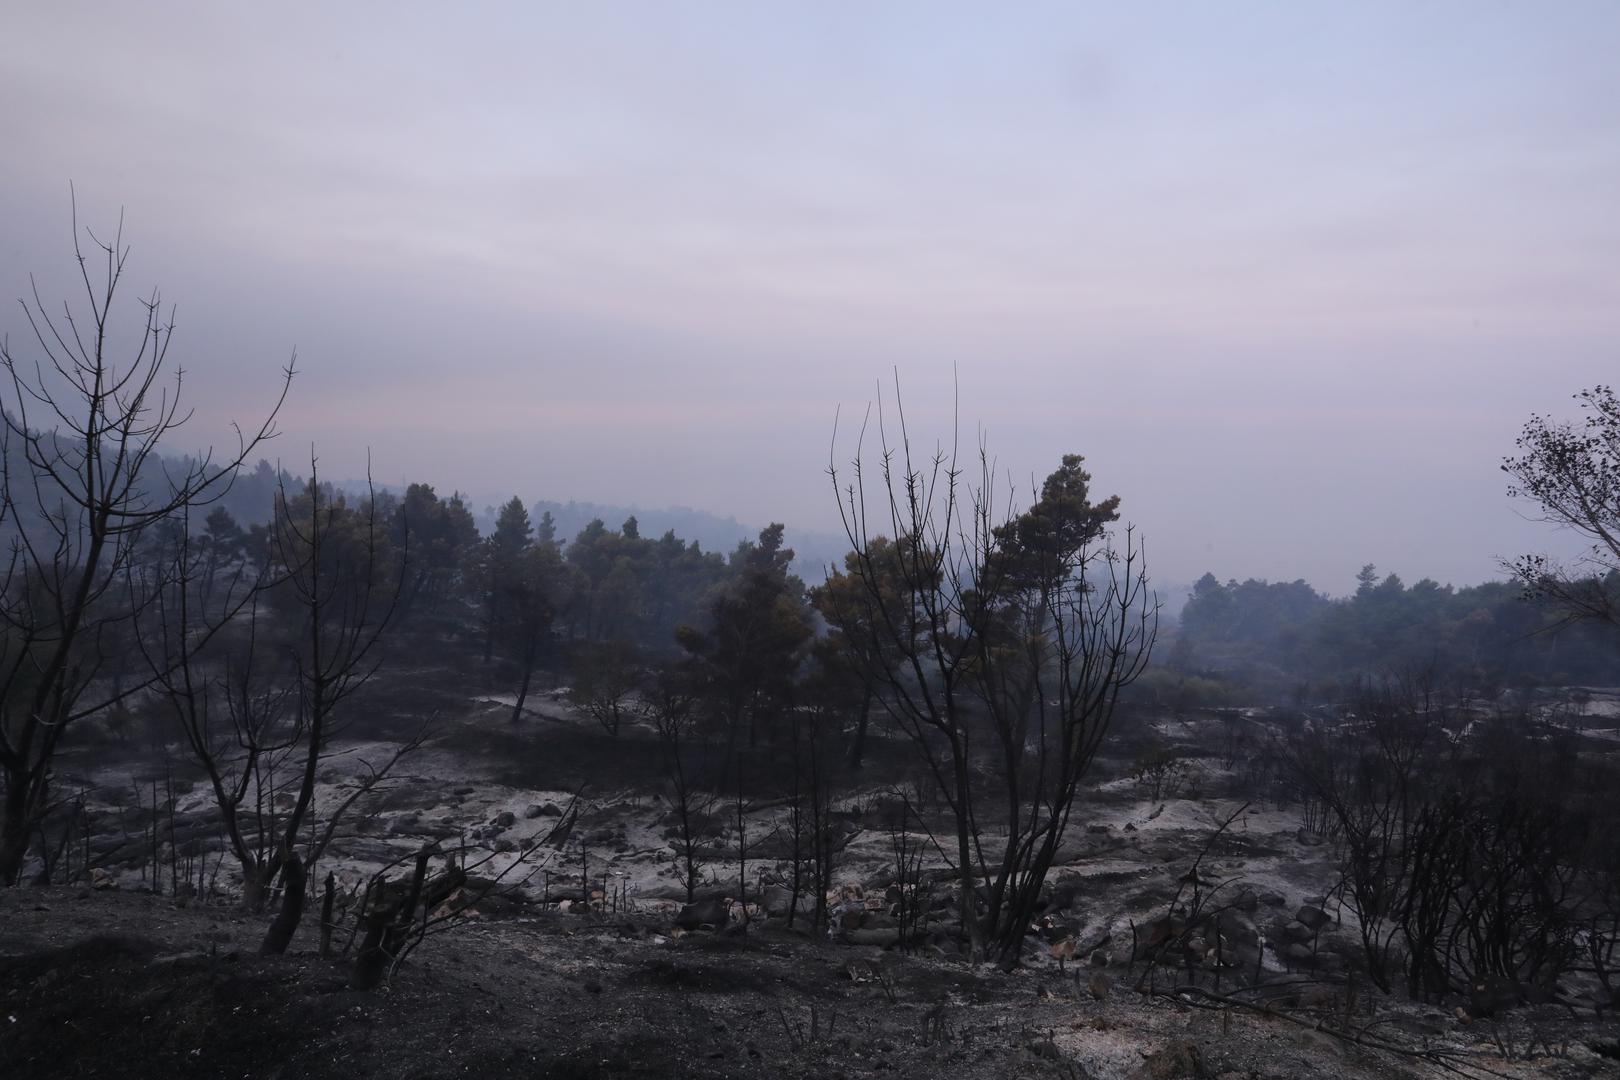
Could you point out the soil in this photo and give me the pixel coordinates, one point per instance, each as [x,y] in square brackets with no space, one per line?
[115,981]
[107,983]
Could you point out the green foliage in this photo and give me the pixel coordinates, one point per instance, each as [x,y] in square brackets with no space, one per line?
[751,641]
[1038,548]
[1270,637]
[440,536]
[1571,470]
[637,590]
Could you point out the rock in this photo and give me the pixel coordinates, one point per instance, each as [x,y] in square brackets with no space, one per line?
[1100,959]
[859,971]
[1273,899]
[1297,931]
[505,844]
[1491,994]
[777,899]
[1044,1047]
[1241,931]
[533,811]
[1299,954]
[1097,830]
[1152,935]
[1310,839]
[101,879]
[505,819]
[704,913]
[1313,917]
[464,789]
[1246,900]
[1177,1061]
[1099,985]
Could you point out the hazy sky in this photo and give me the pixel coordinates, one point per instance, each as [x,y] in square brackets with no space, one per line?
[1290,275]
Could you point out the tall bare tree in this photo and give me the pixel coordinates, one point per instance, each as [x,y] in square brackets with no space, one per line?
[83,483]
[341,589]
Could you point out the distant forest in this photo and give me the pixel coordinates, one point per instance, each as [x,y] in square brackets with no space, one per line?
[251,501]
[1287,641]
[636,576]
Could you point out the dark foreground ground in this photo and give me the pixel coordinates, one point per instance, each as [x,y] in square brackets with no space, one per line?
[118,984]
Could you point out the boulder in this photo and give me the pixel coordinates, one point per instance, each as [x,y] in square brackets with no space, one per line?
[1152,935]
[1299,954]
[704,913]
[1491,994]
[776,899]
[1312,917]
[1240,930]
[1066,892]
[505,819]
[1175,1061]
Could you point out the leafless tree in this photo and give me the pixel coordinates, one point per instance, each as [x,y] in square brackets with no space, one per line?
[671,704]
[340,591]
[1471,852]
[606,678]
[83,483]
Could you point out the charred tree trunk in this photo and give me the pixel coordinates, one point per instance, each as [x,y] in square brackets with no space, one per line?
[282,928]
